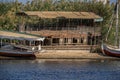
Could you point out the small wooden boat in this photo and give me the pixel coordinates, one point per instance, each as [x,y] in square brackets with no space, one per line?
[17,54]
[115,50]
[11,51]
[14,44]
[110,51]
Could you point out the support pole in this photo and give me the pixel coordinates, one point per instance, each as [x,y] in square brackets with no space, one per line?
[30,44]
[34,45]
[1,42]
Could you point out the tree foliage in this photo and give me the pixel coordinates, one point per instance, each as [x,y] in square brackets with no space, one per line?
[8,20]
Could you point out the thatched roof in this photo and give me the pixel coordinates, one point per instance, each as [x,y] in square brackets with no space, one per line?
[20,36]
[62,14]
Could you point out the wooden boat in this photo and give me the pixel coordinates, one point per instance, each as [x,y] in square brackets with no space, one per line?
[108,50]
[14,44]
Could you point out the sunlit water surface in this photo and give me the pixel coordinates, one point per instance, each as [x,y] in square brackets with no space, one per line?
[59,70]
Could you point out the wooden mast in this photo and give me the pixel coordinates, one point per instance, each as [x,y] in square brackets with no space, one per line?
[118,2]
[116,37]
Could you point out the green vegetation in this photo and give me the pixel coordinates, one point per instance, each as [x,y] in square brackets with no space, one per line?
[8,19]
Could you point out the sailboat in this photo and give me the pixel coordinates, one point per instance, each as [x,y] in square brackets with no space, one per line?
[113,50]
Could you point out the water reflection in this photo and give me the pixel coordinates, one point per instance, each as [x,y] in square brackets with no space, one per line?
[59,70]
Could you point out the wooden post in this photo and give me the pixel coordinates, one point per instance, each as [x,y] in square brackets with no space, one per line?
[61,41]
[51,41]
[34,45]
[78,40]
[91,48]
[30,43]
[10,41]
[39,46]
[1,42]
[69,40]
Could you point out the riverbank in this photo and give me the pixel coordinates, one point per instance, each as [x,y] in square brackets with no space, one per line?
[68,54]
[71,54]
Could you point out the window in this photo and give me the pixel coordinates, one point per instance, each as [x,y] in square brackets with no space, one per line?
[55,40]
[65,40]
[74,40]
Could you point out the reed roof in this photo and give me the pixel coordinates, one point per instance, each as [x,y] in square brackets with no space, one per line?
[62,14]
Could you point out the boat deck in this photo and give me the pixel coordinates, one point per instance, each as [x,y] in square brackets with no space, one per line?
[15,51]
[11,49]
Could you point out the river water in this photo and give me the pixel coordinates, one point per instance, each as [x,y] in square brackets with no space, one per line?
[59,70]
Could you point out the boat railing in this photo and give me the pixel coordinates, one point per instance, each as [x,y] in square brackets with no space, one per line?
[16,51]
[27,48]
[115,47]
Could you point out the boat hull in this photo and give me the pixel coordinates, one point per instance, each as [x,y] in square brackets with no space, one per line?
[110,52]
[9,54]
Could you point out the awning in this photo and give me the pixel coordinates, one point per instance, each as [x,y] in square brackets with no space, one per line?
[20,36]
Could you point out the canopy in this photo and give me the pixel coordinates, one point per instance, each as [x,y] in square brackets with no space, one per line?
[20,36]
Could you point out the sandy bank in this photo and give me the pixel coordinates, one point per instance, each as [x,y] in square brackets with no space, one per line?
[71,54]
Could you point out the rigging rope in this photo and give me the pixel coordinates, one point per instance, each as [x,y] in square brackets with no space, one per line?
[109,27]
